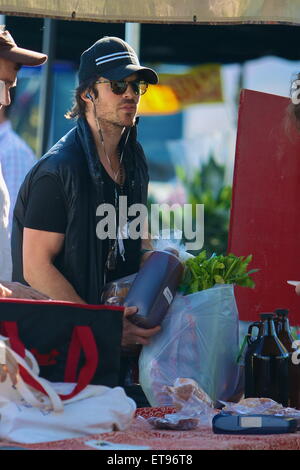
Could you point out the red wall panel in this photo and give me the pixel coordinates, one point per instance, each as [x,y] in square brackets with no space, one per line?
[265,214]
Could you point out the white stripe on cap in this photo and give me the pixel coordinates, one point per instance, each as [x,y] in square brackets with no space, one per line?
[116,56]
[116,53]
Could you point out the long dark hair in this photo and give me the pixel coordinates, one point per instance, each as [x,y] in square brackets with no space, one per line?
[79,106]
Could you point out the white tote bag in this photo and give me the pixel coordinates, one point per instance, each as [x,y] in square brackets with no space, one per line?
[30,416]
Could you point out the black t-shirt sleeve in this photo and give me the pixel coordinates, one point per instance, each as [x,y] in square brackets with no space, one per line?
[46,208]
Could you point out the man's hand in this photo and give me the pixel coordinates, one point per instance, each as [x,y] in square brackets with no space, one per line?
[19,291]
[297,289]
[133,334]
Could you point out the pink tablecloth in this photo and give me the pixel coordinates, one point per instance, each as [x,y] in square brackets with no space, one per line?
[140,433]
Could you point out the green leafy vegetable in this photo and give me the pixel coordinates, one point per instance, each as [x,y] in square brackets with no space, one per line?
[202,273]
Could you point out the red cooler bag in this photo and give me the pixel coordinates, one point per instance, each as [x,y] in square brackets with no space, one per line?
[71,342]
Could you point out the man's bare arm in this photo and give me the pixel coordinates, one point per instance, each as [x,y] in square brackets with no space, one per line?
[40,249]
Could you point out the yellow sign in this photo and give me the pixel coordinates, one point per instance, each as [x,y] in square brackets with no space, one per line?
[202,84]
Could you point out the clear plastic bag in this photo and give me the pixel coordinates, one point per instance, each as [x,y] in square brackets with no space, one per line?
[259,406]
[114,293]
[199,340]
[173,241]
[194,407]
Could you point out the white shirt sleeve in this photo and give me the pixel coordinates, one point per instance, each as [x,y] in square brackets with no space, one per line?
[5,251]
[16,158]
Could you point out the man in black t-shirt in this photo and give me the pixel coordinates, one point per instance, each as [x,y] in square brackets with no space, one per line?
[55,223]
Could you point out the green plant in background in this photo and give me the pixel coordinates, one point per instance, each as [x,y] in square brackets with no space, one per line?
[207,187]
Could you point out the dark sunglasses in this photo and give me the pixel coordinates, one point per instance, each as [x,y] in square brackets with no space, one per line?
[120,86]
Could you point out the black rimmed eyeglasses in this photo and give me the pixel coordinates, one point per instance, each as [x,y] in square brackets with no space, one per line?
[119,87]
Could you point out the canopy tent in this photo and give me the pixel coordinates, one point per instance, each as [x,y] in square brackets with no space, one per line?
[158,11]
[221,44]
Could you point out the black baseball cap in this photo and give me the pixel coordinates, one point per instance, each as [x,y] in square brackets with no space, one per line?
[114,59]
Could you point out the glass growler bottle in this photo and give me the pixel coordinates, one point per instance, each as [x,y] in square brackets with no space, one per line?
[285,336]
[280,314]
[283,328]
[252,342]
[267,365]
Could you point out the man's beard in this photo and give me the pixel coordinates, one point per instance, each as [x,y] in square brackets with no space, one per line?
[115,119]
[117,123]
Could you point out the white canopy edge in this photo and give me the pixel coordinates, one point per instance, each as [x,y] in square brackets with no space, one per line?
[159,11]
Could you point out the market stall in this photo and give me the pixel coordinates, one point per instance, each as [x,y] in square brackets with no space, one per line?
[174,11]
[139,431]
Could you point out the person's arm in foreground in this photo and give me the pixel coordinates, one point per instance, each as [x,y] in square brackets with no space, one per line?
[40,249]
